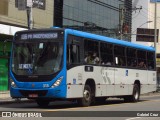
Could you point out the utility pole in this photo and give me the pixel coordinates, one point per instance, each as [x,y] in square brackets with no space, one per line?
[155,37]
[121,22]
[155,25]
[29,14]
[29,17]
[26,5]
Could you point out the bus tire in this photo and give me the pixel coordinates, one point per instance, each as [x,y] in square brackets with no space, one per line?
[42,103]
[86,100]
[135,95]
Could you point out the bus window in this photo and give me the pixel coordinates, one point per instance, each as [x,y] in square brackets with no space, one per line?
[91,53]
[131,57]
[75,54]
[141,55]
[119,54]
[106,51]
[150,60]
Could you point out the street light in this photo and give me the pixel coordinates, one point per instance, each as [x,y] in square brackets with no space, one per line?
[142,25]
[145,23]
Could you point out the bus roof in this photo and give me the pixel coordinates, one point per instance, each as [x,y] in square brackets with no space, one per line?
[107,39]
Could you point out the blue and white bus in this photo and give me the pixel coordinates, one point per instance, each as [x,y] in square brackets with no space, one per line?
[66,64]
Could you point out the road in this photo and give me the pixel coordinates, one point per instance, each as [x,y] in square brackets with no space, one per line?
[114,109]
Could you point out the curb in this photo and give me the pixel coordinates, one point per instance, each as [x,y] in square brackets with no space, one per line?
[5,101]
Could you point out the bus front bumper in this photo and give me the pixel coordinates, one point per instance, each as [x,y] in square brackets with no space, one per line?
[57,92]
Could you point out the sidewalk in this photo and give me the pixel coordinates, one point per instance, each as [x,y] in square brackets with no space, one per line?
[5,98]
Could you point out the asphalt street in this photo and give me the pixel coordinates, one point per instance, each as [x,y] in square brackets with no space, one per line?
[113,109]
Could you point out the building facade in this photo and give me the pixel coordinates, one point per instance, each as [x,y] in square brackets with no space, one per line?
[11,20]
[105,17]
[143,16]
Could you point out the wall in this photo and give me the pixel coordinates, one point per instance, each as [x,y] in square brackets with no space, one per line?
[139,19]
[10,15]
[151,17]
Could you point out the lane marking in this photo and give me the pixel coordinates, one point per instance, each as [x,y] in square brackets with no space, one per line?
[133,118]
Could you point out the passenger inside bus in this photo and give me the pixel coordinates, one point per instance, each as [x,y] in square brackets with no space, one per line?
[95,58]
[92,58]
[142,64]
[88,58]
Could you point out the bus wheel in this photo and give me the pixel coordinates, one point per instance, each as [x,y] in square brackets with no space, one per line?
[135,95]
[87,96]
[42,103]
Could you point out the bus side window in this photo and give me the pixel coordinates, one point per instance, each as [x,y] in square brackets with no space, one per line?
[131,57]
[141,55]
[91,51]
[120,57]
[73,55]
[106,51]
[68,54]
[150,60]
[75,58]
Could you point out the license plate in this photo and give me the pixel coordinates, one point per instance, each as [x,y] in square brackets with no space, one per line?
[33,95]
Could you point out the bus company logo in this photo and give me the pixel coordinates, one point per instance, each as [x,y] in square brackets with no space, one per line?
[33,85]
[6,114]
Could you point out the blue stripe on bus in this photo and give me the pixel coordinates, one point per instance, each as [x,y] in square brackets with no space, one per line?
[107,39]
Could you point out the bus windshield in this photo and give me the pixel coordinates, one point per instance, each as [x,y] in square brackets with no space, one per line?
[37,58]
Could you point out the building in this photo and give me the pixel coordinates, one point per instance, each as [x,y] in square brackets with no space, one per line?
[105,17]
[143,16]
[11,20]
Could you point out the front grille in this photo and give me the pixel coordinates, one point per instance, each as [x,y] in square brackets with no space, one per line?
[40,93]
[36,78]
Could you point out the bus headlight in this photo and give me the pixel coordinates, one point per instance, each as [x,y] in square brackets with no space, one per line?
[57,83]
[13,83]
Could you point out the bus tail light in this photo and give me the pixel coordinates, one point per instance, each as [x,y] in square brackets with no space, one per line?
[57,83]
[13,83]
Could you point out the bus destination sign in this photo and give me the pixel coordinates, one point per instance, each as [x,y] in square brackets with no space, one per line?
[29,36]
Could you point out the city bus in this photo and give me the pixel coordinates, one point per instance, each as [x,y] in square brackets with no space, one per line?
[66,64]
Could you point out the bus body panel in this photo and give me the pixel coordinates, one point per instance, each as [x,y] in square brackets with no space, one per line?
[75,82]
[106,83]
[121,81]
